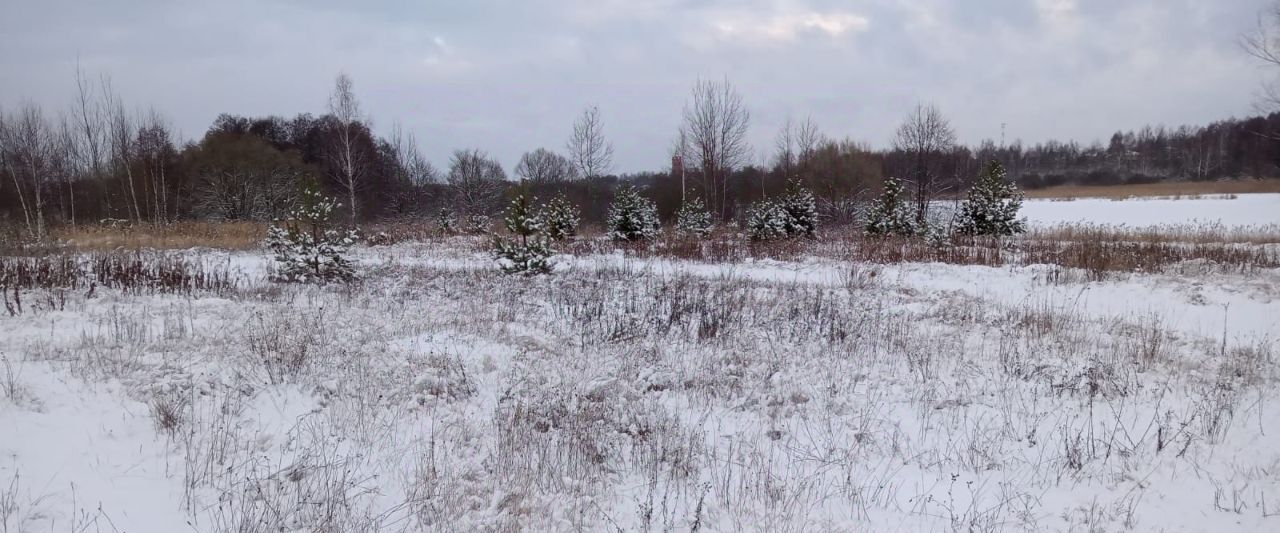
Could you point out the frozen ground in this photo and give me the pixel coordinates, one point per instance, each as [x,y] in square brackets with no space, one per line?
[1234,210]
[648,395]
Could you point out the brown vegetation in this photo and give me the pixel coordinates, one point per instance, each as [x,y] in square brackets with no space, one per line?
[180,235]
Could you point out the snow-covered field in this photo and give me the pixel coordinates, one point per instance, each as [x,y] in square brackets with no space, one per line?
[1232,210]
[627,394]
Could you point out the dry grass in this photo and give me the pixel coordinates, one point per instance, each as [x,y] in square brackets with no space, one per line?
[1165,233]
[1097,249]
[136,272]
[180,235]
[1187,189]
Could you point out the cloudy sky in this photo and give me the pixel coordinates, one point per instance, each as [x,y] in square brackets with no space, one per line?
[511,76]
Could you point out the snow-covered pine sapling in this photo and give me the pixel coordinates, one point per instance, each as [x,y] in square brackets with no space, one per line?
[891,215]
[561,218]
[801,210]
[529,251]
[766,220]
[478,224]
[991,206]
[631,217]
[306,248]
[447,221]
[694,219]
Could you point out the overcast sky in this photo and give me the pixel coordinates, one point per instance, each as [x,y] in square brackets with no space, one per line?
[508,77]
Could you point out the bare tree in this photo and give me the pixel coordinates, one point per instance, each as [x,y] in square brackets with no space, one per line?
[72,168]
[9,165]
[588,149]
[925,137]
[808,139]
[414,167]
[476,181]
[349,161]
[32,152]
[1263,43]
[89,132]
[412,172]
[89,119]
[120,137]
[241,177]
[543,166]
[155,150]
[785,146]
[716,123]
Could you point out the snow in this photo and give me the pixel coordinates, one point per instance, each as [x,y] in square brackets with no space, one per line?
[651,394]
[1237,210]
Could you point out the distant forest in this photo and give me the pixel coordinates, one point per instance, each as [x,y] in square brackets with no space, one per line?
[96,160]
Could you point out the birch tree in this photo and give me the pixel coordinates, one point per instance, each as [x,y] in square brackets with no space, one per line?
[348,161]
[31,152]
[120,137]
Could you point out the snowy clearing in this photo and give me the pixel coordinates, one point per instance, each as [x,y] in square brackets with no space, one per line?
[633,394]
[1228,210]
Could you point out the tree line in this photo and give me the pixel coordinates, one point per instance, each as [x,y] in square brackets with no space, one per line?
[97,161]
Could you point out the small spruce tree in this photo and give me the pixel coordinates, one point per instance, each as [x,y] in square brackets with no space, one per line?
[891,215]
[529,252]
[447,221]
[694,219]
[306,248]
[632,217]
[561,218]
[801,210]
[766,220]
[991,206]
[478,224]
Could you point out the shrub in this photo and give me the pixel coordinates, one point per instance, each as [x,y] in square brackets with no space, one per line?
[632,217]
[530,251]
[693,218]
[306,249]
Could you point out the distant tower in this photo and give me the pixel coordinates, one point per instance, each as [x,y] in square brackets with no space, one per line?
[677,169]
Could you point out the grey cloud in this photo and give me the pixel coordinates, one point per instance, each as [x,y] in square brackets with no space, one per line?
[510,77]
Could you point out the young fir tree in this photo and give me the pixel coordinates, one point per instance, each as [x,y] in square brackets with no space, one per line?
[693,218]
[529,252]
[891,215]
[631,217]
[991,207]
[766,220]
[801,210]
[447,221]
[560,217]
[478,224]
[306,248]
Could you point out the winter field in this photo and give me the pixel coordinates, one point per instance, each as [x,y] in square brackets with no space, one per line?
[1113,370]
